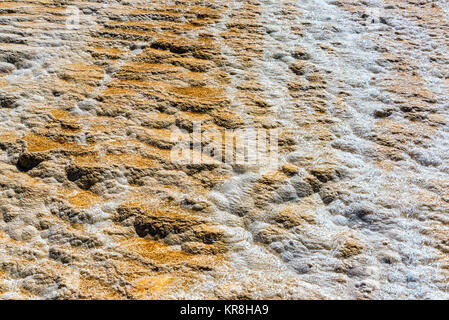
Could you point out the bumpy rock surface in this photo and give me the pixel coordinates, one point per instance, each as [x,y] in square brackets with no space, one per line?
[92,206]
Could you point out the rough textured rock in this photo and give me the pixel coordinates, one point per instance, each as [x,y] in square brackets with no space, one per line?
[93,206]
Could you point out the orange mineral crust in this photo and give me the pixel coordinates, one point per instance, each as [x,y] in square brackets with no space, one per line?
[352,202]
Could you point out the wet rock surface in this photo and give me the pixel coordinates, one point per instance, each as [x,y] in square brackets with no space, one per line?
[93,205]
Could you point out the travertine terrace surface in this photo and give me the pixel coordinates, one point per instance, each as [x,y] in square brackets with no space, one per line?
[92,206]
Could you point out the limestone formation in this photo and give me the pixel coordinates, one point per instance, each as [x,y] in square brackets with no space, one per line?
[94,206]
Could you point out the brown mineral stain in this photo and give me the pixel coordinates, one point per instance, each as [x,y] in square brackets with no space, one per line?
[151,286]
[8,136]
[156,251]
[83,199]
[134,160]
[38,143]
